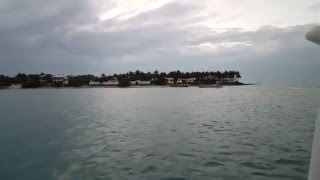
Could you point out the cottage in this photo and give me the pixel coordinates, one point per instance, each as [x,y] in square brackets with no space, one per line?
[58,79]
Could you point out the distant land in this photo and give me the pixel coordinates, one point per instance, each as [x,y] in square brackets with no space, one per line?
[156,78]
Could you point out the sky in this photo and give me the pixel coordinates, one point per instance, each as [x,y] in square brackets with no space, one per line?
[263,39]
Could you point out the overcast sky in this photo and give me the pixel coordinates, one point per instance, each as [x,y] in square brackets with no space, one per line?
[263,39]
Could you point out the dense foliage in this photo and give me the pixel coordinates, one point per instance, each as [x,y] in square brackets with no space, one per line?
[124,83]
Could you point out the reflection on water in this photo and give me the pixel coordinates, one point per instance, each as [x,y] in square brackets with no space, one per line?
[251,132]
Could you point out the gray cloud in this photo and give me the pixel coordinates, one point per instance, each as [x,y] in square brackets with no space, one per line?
[67,37]
[314,7]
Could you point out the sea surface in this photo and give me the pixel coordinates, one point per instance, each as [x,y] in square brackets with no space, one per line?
[239,132]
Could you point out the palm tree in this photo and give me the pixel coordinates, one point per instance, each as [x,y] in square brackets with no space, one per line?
[103,78]
[155,74]
[238,76]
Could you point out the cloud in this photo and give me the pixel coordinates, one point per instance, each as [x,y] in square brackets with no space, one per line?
[314,7]
[70,37]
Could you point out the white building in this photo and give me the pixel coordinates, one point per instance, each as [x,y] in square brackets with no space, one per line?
[113,82]
[94,83]
[58,79]
[138,82]
[190,80]
[110,83]
[170,80]
[15,86]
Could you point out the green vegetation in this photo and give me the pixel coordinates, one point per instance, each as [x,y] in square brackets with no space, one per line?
[80,80]
[124,82]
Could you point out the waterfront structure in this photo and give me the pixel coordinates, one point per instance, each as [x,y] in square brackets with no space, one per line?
[210,77]
[94,83]
[113,82]
[110,83]
[170,80]
[59,80]
[65,82]
[42,79]
[191,80]
[15,86]
[4,86]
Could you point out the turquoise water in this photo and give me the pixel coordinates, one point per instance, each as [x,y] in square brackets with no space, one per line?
[251,132]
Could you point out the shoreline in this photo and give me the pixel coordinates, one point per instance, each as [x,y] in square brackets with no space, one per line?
[132,86]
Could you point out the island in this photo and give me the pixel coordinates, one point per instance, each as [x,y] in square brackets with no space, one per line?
[137,78]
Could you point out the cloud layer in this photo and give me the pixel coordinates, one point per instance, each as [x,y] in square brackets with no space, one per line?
[109,37]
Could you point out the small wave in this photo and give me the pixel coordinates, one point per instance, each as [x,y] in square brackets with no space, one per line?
[224,153]
[150,155]
[116,150]
[193,170]
[286,149]
[282,176]
[249,144]
[207,125]
[149,169]
[175,178]
[223,159]
[225,147]
[186,155]
[304,171]
[290,161]
[260,166]
[235,153]
[212,164]
[202,132]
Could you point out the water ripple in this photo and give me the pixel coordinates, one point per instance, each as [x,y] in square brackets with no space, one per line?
[250,133]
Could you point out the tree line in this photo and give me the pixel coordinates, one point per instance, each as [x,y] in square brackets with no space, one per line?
[156,77]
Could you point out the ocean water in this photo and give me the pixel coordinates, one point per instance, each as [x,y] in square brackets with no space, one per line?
[248,132]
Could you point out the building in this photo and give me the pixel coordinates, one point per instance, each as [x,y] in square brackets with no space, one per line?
[15,86]
[229,80]
[180,81]
[58,80]
[65,82]
[113,82]
[42,79]
[110,83]
[210,78]
[94,83]
[190,80]
[4,85]
[170,80]
[186,81]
